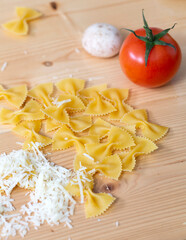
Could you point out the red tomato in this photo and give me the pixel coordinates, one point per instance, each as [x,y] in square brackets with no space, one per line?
[163,61]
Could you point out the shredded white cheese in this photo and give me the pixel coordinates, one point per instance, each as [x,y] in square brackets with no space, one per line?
[4,66]
[77,50]
[88,156]
[49,201]
[94,78]
[117,224]
[60,103]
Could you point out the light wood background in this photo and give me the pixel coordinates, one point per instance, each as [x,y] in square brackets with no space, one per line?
[151,202]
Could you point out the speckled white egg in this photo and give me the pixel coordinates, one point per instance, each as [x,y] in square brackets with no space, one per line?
[102,40]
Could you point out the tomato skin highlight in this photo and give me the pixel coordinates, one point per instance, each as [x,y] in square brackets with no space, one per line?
[163,61]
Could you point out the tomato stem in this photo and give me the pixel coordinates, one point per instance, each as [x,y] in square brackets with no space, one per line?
[150,39]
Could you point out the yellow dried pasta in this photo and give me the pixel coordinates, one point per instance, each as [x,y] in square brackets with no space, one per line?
[42,93]
[118,139]
[97,106]
[117,97]
[103,147]
[20,26]
[76,123]
[110,166]
[70,85]
[101,128]
[95,203]
[31,111]
[64,104]
[52,125]
[15,95]
[65,138]
[140,119]
[30,131]
[143,146]
[80,123]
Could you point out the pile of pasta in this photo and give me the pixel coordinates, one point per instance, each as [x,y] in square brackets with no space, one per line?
[107,133]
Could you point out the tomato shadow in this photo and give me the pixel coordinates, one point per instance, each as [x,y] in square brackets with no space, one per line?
[181,74]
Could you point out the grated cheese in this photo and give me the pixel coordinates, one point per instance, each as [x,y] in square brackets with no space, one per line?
[77,50]
[117,224]
[49,201]
[94,78]
[60,103]
[4,66]
[86,155]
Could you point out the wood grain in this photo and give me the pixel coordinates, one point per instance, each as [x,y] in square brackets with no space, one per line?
[151,201]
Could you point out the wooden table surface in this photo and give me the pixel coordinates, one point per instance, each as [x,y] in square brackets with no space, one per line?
[151,202]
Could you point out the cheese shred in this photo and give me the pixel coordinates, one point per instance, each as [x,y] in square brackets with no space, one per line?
[49,201]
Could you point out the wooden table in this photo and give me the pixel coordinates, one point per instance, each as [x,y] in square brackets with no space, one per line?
[151,201]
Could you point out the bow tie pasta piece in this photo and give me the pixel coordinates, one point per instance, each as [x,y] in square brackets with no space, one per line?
[101,128]
[117,97]
[95,203]
[64,102]
[70,85]
[30,131]
[76,123]
[110,166]
[65,138]
[80,123]
[140,119]
[118,139]
[52,125]
[58,114]
[15,95]
[143,146]
[27,13]
[97,106]
[20,26]
[31,111]
[42,93]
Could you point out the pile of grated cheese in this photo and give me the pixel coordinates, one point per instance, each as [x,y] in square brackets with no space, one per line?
[49,201]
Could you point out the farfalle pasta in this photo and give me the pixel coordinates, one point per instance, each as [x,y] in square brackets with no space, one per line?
[101,128]
[117,97]
[76,123]
[20,26]
[30,112]
[97,106]
[96,121]
[63,105]
[30,131]
[143,146]
[52,125]
[140,119]
[118,139]
[95,203]
[70,86]
[15,95]
[42,93]
[65,138]
[110,166]
[80,123]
